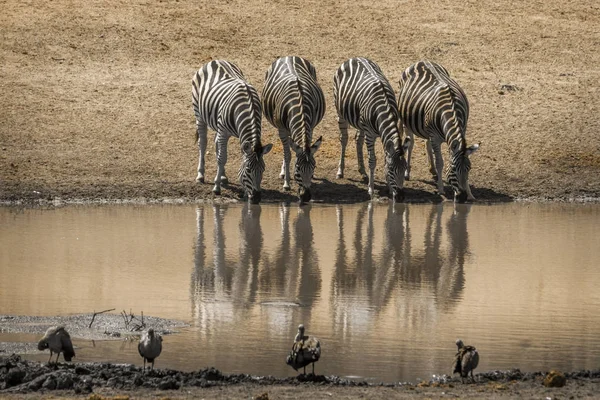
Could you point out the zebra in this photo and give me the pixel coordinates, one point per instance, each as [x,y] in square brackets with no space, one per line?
[365,99]
[434,107]
[293,102]
[224,101]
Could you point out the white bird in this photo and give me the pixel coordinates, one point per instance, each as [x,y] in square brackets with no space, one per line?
[150,346]
[305,350]
[58,340]
[466,360]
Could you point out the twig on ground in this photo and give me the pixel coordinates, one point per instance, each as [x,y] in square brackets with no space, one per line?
[96,313]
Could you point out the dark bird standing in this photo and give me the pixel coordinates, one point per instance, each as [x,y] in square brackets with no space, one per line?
[150,346]
[58,340]
[306,350]
[465,361]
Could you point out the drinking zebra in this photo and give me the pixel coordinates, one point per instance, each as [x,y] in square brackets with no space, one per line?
[229,105]
[294,103]
[435,108]
[365,99]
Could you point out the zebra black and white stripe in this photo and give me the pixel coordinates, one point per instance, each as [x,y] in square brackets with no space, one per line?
[224,101]
[434,107]
[293,102]
[365,99]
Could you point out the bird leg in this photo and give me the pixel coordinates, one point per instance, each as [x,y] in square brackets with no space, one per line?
[50,359]
[313,369]
[57,355]
[152,368]
[305,370]
[144,370]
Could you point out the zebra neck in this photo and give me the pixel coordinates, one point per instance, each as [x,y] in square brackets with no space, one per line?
[297,118]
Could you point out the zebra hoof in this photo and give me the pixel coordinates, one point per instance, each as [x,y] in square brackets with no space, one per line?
[217,192]
[281,176]
[339,176]
[200,180]
[224,180]
[286,188]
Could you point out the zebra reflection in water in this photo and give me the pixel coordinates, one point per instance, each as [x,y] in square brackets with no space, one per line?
[293,275]
[368,279]
[228,286]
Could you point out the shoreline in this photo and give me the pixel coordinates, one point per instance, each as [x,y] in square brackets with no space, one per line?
[20,376]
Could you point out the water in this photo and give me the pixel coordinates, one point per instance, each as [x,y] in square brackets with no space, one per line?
[387,289]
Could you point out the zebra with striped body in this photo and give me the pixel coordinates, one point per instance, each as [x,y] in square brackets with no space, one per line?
[365,99]
[434,107]
[224,101]
[294,103]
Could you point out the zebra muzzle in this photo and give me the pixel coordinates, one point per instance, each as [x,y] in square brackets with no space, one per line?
[254,197]
[304,195]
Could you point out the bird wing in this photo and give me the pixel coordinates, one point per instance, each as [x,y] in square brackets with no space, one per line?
[67,345]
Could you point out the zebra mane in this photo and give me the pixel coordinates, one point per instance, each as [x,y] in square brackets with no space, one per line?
[303,123]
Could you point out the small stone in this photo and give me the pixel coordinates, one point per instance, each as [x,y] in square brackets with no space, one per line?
[15,376]
[555,379]
[49,383]
[64,382]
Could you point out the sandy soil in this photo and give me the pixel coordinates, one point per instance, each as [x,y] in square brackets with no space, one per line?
[96,97]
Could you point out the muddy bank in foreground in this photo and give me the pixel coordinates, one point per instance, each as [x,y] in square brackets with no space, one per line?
[26,378]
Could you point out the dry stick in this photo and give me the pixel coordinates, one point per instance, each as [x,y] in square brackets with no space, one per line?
[124,315]
[96,313]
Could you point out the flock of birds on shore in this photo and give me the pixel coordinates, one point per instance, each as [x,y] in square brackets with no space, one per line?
[306,350]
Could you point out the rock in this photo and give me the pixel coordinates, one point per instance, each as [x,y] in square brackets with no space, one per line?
[49,383]
[168,384]
[64,381]
[82,370]
[14,376]
[211,374]
[555,379]
[264,396]
[37,383]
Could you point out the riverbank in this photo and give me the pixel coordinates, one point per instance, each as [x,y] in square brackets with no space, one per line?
[98,104]
[26,379]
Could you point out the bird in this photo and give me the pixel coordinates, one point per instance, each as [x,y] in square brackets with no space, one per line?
[58,340]
[150,346]
[465,361]
[305,350]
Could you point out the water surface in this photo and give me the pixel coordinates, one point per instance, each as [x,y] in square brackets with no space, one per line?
[386,288]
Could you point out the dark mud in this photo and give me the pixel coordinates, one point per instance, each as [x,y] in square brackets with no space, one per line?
[22,376]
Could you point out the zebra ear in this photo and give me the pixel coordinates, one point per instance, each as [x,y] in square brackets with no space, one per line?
[472,149]
[267,148]
[316,145]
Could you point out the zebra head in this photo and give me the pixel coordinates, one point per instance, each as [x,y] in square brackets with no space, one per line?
[305,168]
[457,173]
[252,168]
[395,165]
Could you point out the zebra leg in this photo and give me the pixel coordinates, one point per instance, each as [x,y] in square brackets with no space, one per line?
[431,160]
[343,125]
[360,140]
[439,167]
[372,165]
[201,137]
[408,153]
[287,157]
[221,152]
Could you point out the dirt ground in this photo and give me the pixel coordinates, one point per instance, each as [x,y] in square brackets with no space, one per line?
[96,95]
[23,379]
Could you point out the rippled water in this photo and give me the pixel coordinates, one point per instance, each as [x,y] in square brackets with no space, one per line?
[387,289]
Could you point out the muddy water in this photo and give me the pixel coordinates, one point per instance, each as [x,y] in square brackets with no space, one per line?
[387,289]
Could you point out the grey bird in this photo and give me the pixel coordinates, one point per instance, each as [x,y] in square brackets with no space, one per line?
[465,361]
[58,340]
[305,350]
[150,346]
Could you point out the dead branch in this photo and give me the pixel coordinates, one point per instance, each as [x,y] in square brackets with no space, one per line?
[96,313]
